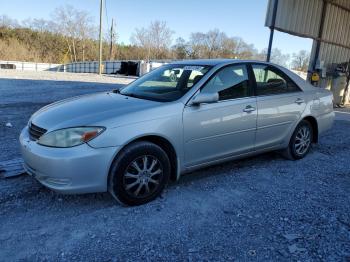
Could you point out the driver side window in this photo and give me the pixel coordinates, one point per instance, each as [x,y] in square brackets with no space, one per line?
[230,82]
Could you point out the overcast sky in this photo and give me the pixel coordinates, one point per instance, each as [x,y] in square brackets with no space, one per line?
[242,18]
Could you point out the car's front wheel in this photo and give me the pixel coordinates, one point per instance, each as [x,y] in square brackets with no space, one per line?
[139,173]
[300,142]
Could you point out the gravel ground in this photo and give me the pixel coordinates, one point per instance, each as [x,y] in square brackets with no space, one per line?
[263,208]
[23,93]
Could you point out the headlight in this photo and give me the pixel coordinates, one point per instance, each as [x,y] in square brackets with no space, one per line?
[70,137]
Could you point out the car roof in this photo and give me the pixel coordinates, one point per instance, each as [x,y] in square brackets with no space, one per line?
[222,62]
[213,62]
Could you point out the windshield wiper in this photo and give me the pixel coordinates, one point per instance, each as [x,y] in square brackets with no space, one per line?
[132,95]
[127,94]
[117,91]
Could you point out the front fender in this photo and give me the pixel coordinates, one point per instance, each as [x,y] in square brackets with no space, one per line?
[169,128]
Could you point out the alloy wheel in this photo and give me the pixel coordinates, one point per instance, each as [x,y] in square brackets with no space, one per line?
[302,140]
[143,176]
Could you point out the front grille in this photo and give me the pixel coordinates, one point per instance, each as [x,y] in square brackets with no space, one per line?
[35,132]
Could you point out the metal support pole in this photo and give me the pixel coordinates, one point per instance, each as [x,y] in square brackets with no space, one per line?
[268,58]
[100,51]
[272,31]
[320,34]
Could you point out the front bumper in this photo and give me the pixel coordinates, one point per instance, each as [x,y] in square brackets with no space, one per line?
[76,170]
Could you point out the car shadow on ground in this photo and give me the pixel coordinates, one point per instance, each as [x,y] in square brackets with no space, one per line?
[30,189]
[228,167]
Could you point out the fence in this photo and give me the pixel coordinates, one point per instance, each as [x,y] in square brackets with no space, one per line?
[29,66]
[109,67]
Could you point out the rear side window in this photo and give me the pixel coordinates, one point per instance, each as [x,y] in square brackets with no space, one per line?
[230,82]
[270,81]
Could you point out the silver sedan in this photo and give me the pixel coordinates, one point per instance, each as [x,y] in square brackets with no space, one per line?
[180,117]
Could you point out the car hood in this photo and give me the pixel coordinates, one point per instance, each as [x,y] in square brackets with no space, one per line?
[95,109]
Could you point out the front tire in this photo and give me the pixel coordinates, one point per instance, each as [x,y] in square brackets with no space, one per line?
[139,174]
[300,142]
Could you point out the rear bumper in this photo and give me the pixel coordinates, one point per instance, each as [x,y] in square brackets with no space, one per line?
[75,170]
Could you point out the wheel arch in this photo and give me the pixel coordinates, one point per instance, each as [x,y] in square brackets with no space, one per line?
[312,120]
[163,143]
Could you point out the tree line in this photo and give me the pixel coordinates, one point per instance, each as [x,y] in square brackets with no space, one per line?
[71,36]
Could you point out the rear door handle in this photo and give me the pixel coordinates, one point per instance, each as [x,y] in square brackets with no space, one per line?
[249,109]
[299,101]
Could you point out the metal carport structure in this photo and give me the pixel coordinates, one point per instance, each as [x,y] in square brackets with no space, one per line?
[327,22]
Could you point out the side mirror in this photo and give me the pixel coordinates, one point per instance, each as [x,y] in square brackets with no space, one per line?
[202,98]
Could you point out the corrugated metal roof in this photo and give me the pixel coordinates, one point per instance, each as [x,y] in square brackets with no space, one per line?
[299,17]
[333,54]
[303,18]
[344,3]
[337,26]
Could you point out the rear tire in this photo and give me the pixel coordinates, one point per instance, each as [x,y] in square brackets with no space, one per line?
[300,142]
[139,174]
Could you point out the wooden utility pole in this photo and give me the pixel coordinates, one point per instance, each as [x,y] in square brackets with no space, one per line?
[100,52]
[112,41]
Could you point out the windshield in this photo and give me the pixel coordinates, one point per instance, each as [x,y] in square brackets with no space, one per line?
[167,83]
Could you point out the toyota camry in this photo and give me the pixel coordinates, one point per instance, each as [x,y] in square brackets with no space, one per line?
[180,117]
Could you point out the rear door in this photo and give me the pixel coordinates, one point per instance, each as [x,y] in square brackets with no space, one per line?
[216,130]
[280,103]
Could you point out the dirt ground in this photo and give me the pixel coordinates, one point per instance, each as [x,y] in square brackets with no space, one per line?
[263,208]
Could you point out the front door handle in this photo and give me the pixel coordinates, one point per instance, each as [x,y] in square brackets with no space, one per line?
[299,101]
[249,109]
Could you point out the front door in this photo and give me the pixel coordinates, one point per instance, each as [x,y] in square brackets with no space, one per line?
[225,128]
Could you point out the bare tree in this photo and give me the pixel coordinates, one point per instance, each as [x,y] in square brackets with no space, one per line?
[228,49]
[76,26]
[6,21]
[180,49]
[244,50]
[301,60]
[277,57]
[197,44]
[39,25]
[156,39]
[141,38]
[85,30]
[214,43]
[161,36]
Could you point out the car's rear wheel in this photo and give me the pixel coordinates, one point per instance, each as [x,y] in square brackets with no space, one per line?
[139,174]
[300,142]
